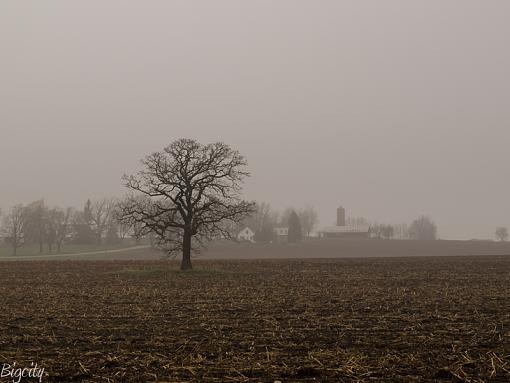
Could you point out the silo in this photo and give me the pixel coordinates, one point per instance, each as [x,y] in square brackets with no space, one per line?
[340,216]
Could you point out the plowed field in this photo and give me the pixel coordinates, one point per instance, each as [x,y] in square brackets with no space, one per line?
[340,320]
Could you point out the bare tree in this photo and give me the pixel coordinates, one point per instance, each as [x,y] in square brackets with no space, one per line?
[82,232]
[13,228]
[139,232]
[423,228]
[51,228]
[124,230]
[501,234]
[186,193]
[260,217]
[387,231]
[401,231]
[285,216]
[62,220]
[375,230]
[100,212]
[36,223]
[262,222]
[357,222]
[309,218]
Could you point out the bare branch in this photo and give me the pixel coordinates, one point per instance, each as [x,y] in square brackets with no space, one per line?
[187,194]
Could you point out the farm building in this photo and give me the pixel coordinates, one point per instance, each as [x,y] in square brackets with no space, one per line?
[246,234]
[345,232]
[341,230]
[281,233]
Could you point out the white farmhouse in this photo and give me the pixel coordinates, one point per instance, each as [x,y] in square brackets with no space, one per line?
[246,234]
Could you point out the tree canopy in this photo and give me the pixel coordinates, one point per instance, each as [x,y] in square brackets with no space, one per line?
[423,228]
[295,233]
[501,234]
[186,194]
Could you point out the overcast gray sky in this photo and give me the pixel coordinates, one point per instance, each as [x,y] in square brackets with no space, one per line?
[390,108]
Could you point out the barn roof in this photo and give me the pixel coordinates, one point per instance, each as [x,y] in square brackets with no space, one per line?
[346,229]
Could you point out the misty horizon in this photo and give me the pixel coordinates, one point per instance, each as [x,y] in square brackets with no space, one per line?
[390,111]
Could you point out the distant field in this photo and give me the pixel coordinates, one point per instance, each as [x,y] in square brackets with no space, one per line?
[32,250]
[315,248]
[349,248]
[436,319]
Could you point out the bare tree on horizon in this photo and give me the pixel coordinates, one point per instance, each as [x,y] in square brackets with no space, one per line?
[185,193]
[501,234]
[423,228]
[309,219]
[101,212]
[13,227]
[62,224]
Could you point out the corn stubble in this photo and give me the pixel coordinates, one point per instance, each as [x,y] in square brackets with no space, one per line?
[357,320]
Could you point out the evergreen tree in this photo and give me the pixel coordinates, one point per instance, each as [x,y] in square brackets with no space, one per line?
[295,233]
[83,233]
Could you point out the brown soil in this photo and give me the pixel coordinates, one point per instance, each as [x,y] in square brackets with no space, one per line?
[339,320]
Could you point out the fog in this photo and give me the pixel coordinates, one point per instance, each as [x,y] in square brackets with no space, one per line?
[391,109]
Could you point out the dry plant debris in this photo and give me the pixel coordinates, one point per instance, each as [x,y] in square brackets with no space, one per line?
[351,320]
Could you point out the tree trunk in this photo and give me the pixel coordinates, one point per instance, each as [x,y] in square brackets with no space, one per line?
[186,251]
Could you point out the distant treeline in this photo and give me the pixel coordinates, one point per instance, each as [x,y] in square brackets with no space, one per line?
[266,219]
[98,223]
[51,228]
